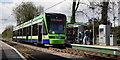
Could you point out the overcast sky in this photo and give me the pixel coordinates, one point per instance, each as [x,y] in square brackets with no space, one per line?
[6,7]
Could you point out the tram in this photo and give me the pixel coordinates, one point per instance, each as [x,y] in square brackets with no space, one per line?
[48,28]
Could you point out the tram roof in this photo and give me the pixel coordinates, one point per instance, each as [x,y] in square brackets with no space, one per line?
[28,22]
[32,20]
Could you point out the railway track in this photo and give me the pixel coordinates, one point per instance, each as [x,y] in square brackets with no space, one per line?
[32,52]
[84,53]
[91,55]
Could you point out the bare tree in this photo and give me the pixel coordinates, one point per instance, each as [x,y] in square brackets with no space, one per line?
[10,27]
[74,9]
[26,11]
[113,9]
[104,12]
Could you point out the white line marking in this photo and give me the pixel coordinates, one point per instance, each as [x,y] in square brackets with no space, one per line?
[16,51]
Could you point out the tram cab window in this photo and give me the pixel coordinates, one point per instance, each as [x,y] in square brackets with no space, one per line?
[56,24]
[48,21]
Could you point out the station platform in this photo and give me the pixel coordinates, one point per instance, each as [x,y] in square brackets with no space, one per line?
[8,52]
[114,50]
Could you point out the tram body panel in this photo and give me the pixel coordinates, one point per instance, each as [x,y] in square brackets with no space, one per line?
[48,28]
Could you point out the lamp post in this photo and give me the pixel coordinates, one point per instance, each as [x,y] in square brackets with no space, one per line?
[93,32]
[93,23]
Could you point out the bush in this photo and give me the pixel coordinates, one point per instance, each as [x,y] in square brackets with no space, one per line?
[7,34]
[118,40]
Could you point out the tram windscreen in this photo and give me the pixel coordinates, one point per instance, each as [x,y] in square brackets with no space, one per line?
[57,24]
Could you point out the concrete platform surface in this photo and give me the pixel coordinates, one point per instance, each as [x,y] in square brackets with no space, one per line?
[98,46]
[114,50]
[8,52]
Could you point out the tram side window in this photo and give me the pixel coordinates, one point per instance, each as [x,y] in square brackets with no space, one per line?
[16,32]
[29,30]
[44,29]
[13,33]
[20,32]
[40,29]
[24,31]
[34,29]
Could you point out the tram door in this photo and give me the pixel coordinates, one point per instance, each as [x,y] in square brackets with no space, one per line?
[40,32]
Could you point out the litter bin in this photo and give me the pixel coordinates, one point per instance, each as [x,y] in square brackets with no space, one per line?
[113,40]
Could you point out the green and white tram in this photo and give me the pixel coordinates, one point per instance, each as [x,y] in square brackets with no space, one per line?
[49,28]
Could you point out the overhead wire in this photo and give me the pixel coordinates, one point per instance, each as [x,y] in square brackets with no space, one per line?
[44,10]
[55,5]
[17,7]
